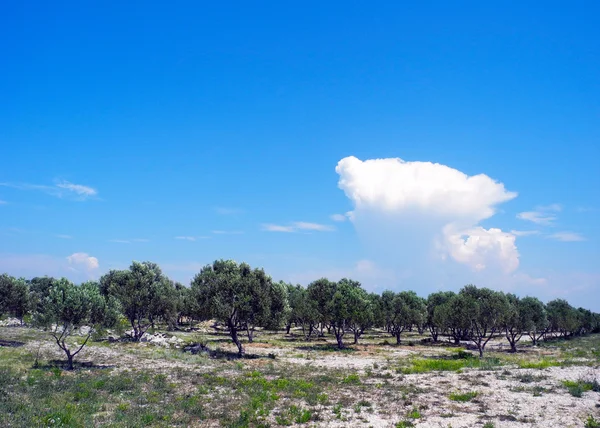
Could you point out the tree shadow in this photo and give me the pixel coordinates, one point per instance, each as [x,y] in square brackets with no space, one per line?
[327,347]
[11,343]
[201,349]
[77,365]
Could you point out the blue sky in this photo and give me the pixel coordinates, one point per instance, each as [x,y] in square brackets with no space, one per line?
[242,129]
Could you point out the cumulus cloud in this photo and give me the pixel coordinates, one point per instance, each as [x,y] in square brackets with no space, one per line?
[297,227]
[418,209]
[567,237]
[478,247]
[83,260]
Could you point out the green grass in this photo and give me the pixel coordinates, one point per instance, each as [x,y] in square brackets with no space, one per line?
[544,363]
[463,397]
[426,365]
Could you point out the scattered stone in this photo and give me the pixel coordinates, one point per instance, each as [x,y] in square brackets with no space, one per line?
[11,322]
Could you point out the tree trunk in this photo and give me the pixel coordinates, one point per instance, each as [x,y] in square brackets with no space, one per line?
[480,351]
[356,334]
[340,342]
[236,340]
[250,334]
[288,327]
[398,338]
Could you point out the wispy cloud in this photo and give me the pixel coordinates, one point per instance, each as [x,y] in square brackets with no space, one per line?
[338,217]
[61,189]
[140,240]
[296,227]
[3,202]
[228,211]
[227,232]
[64,236]
[191,238]
[567,237]
[277,228]
[525,232]
[543,215]
[120,241]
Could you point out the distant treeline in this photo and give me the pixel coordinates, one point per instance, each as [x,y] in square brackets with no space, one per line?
[243,299]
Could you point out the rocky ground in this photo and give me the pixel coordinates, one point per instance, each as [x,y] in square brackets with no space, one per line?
[287,381]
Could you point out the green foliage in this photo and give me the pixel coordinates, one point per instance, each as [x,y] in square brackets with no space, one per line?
[144,293]
[240,297]
[351,379]
[578,387]
[463,397]
[68,307]
[14,296]
[591,422]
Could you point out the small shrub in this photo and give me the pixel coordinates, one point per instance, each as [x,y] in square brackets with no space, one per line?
[488,425]
[464,397]
[352,379]
[414,414]
[591,422]
[578,387]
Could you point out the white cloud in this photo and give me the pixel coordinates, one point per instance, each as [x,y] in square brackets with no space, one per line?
[227,232]
[120,241]
[186,238]
[64,236]
[479,248]
[296,227]
[83,260]
[338,217]
[544,215]
[405,210]
[525,232]
[3,202]
[140,240]
[77,188]
[278,228]
[567,237]
[62,189]
[393,185]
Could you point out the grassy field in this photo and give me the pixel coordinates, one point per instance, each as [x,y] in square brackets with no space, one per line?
[285,381]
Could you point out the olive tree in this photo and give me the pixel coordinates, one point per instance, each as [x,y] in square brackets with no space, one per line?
[486,310]
[401,311]
[68,307]
[14,296]
[562,317]
[435,320]
[302,312]
[239,296]
[320,295]
[144,293]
